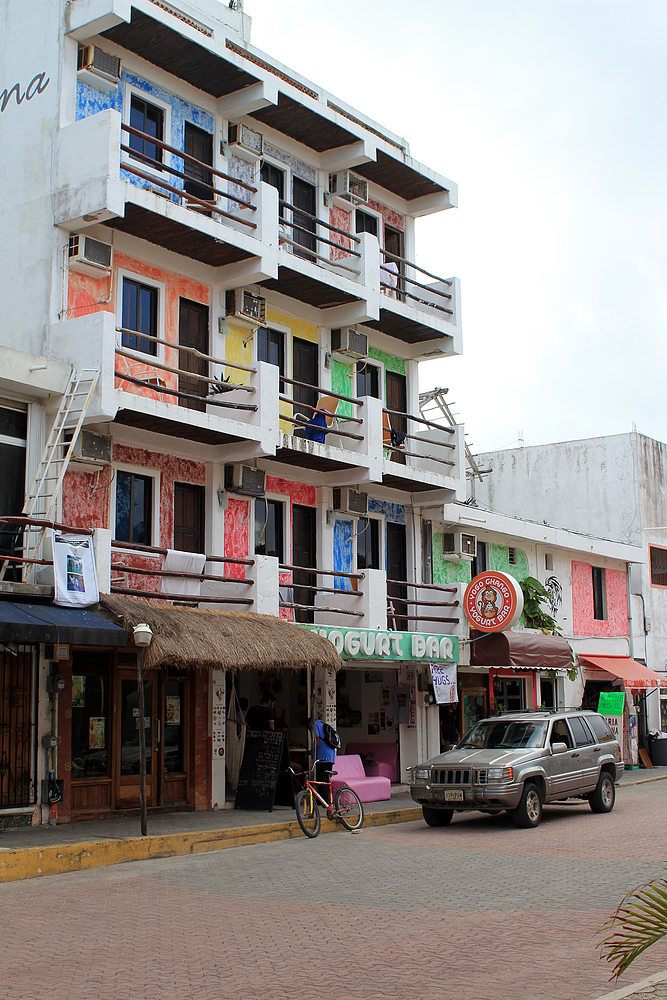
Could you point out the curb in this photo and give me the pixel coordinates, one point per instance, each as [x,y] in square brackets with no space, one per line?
[35,862]
[643,984]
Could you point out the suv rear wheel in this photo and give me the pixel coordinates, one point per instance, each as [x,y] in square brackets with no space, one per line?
[529,810]
[437,817]
[603,798]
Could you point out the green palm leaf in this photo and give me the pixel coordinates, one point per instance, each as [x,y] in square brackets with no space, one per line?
[638,922]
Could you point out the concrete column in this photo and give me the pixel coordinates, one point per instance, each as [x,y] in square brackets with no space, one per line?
[265,590]
[217,744]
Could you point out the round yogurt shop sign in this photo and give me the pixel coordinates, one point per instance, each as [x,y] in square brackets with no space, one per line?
[493,602]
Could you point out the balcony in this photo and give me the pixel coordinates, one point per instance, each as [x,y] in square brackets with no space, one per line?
[420,456]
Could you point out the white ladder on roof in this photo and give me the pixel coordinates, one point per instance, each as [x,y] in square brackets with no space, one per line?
[43,495]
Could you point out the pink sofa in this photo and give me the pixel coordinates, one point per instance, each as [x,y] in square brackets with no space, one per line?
[350,771]
[385,756]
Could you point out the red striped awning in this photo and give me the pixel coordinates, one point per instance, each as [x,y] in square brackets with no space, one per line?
[635,676]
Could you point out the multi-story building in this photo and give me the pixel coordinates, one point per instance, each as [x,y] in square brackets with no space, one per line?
[611,486]
[212,327]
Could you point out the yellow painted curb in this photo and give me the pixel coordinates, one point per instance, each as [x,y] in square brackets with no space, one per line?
[34,862]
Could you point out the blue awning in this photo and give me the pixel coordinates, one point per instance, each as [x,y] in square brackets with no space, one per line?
[30,623]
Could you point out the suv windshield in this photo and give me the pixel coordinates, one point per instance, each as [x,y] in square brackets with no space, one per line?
[509,734]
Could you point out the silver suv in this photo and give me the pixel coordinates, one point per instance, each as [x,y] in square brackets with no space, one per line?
[519,762]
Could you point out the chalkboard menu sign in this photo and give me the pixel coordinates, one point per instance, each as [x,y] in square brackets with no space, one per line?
[263,779]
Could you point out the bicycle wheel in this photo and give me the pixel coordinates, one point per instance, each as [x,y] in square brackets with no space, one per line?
[308,813]
[348,809]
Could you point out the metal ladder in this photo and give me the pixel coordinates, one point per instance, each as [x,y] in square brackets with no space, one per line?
[440,412]
[41,500]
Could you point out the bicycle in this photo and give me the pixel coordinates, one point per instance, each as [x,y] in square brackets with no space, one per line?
[344,804]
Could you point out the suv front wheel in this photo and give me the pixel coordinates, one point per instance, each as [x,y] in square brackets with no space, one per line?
[603,798]
[437,817]
[529,810]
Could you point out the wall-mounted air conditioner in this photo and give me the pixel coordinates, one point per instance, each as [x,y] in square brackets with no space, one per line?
[347,189]
[98,68]
[89,256]
[350,342]
[245,142]
[245,307]
[459,545]
[92,449]
[347,501]
[245,479]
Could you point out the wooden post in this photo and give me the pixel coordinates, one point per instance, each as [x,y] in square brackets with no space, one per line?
[142,742]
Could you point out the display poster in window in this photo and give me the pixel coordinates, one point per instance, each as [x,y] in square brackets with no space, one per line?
[78,691]
[96,733]
[172,710]
[443,677]
[74,571]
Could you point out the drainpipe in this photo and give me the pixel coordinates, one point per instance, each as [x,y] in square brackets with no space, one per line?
[632,644]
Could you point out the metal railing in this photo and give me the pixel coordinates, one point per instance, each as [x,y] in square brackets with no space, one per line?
[205,169]
[312,589]
[395,433]
[308,423]
[401,279]
[415,602]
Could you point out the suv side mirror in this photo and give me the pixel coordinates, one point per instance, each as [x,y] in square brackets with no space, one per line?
[558,747]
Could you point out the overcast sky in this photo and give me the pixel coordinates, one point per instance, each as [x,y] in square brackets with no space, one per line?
[550,116]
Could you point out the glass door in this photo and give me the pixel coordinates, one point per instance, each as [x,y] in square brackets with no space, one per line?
[174,745]
[129,728]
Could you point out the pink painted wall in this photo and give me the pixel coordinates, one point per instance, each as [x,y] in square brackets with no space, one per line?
[583,622]
[389,217]
[345,220]
[237,542]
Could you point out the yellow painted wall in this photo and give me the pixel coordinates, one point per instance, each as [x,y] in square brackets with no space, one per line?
[297,328]
[236,352]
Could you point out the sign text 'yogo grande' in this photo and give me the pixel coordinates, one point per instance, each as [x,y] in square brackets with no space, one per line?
[369,644]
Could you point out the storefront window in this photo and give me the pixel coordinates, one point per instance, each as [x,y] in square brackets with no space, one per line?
[509,694]
[90,715]
[174,708]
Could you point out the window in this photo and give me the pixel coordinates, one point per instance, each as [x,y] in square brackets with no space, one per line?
[580,731]
[658,567]
[271,348]
[134,501]
[368,380]
[269,528]
[91,692]
[140,314]
[479,563]
[599,594]
[146,118]
[427,552]
[366,223]
[368,543]
[509,694]
[601,730]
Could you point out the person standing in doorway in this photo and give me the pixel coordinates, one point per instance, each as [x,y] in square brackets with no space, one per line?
[262,717]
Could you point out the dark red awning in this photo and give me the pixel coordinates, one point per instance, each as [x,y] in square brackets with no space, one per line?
[526,650]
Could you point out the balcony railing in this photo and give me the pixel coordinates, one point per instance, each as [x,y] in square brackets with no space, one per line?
[395,433]
[20,528]
[307,242]
[304,590]
[321,415]
[135,549]
[399,604]
[394,281]
[202,180]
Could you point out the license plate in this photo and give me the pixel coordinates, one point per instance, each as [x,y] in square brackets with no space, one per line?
[453,795]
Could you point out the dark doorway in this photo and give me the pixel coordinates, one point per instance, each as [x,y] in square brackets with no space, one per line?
[304,550]
[303,217]
[397,567]
[188,518]
[193,332]
[276,178]
[13,431]
[200,181]
[304,369]
[397,400]
[17,734]
[393,243]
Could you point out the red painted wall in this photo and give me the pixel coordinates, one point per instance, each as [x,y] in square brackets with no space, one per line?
[583,622]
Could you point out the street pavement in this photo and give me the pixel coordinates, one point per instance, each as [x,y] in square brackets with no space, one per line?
[479,910]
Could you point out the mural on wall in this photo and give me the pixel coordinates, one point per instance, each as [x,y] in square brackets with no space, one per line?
[583,622]
[555,592]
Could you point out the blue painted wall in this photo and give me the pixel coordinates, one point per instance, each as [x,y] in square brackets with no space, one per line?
[343,553]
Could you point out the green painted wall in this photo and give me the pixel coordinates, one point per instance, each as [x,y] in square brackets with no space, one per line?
[342,383]
[448,570]
[390,362]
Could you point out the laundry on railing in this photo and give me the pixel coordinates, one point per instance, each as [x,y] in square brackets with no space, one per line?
[182,562]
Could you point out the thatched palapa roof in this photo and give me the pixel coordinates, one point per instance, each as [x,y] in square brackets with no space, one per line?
[226,640]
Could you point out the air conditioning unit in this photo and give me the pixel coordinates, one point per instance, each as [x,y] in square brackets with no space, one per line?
[459,545]
[245,307]
[89,256]
[98,68]
[245,141]
[347,501]
[245,479]
[348,189]
[350,342]
[92,449]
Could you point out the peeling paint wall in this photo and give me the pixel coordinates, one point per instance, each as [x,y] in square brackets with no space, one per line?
[584,623]
[237,535]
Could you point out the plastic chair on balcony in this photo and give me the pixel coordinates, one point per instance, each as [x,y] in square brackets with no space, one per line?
[315,424]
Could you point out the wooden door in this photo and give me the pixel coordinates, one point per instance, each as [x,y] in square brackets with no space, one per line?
[188,517]
[199,181]
[304,553]
[304,201]
[193,332]
[393,242]
[397,567]
[127,739]
[305,369]
[397,400]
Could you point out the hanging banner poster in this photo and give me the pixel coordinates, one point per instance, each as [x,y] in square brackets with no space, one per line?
[96,733]
[444,683]
[74,571]
[173,710]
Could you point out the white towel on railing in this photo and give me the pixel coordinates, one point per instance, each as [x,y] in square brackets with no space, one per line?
[389,273]
[182,562]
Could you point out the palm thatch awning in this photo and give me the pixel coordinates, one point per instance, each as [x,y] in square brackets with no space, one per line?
[225,640]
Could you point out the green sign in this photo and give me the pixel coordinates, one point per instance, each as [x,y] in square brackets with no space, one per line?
[370,644]
[611,702]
